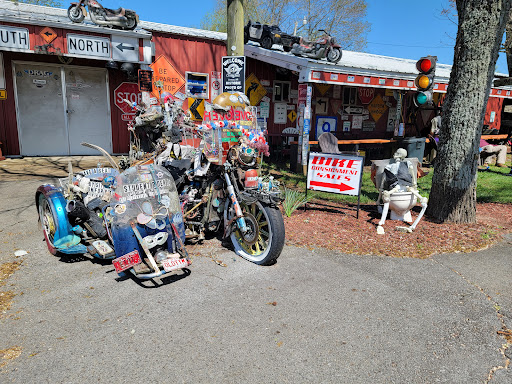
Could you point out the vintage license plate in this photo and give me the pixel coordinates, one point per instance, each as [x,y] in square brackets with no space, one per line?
[126,261]
[173,264]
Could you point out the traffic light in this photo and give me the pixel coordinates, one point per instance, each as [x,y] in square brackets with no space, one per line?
[425,81]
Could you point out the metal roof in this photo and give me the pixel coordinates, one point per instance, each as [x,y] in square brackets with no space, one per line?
[356,63]
[58,17]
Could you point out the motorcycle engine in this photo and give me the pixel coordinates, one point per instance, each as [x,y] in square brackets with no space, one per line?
[99,13]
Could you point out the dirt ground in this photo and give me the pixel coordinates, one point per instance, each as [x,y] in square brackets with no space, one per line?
[335,226]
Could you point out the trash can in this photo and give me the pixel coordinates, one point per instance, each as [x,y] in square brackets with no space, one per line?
[415,147]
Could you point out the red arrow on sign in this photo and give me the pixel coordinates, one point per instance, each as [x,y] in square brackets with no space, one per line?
[342,187]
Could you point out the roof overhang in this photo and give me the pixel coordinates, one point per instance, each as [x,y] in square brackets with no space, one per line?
[358,69]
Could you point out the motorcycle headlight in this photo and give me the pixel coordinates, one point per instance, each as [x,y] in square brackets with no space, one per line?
[333,41]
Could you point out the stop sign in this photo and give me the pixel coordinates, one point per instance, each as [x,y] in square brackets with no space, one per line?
[128,91]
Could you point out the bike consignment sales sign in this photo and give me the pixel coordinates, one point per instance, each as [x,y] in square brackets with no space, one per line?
[335,173]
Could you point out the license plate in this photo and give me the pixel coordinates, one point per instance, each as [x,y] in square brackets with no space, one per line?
[126,261]
[173,264]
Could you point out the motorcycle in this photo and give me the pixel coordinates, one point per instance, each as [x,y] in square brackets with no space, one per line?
[216,167]
[324,47]
[131,217]
[121,17]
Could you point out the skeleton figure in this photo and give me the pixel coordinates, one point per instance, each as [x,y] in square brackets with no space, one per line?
[398,190]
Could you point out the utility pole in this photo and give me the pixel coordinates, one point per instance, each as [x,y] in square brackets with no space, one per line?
[235,45]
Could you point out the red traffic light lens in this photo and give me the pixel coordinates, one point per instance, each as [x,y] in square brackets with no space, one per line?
[425,65]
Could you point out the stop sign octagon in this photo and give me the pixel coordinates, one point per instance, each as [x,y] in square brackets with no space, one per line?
[128,91]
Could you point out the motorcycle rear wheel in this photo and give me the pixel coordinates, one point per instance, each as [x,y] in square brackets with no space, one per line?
[334,55]
[75,14]
[131,23]
[47,219]
[270,233]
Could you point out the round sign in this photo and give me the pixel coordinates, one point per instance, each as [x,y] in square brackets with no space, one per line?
[216,85]
[127,91]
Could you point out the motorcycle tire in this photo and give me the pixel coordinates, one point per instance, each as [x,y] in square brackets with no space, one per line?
[270,242]
[131,24]
[266,42]
[47,219]
[334,55]
[75,14]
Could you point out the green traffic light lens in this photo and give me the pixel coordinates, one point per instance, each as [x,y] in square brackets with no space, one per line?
[421,98]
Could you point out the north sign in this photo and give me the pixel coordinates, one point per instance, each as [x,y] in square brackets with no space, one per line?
[88,46]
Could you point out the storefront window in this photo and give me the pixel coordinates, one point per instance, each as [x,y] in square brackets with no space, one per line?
[281,91]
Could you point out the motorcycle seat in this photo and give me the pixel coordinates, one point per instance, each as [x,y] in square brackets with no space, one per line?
[116,12]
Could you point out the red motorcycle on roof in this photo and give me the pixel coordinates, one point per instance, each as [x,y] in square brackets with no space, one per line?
[324,47]
[121,17]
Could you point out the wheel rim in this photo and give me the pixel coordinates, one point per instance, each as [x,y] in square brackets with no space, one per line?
[75,13]
[258,249]
[334,55]
[47,220]
[131,23]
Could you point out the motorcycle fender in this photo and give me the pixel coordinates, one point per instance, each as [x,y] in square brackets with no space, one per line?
[336,46]
[64,237]
[84,10]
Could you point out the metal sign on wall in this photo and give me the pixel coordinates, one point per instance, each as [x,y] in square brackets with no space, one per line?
[14,38]
[125,48]
[233,74]
[88,46]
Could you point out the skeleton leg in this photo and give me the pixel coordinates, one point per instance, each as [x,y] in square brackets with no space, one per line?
[423,202]
[385,198]
[385,208]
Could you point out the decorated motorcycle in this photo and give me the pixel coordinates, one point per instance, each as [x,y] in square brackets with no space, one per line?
[121,18]
[132,217]
[217,169]
[324,47]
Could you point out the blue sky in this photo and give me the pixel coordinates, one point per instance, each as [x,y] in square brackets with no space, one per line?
[399,28]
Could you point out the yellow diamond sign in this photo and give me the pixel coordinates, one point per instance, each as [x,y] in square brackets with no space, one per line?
[254,90]
[292,116]
[377,108]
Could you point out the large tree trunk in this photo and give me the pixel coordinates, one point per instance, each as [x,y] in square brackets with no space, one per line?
[479,35]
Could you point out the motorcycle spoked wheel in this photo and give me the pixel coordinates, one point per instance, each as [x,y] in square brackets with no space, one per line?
[47,219]
[265,241]
[75,14]
[334,55]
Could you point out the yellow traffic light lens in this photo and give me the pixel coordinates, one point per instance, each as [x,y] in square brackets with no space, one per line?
[422,82]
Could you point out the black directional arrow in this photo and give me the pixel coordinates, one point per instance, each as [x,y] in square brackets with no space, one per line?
[48,34]
[122,47]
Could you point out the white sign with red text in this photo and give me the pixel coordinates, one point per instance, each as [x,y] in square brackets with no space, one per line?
[335,173]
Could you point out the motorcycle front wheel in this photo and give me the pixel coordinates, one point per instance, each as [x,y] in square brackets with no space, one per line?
[75,14]
[265,239]
[334,55]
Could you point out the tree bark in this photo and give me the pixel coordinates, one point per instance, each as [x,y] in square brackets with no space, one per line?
[235,27]
[479,35]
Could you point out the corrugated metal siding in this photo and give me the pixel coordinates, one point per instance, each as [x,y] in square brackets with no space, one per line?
[190,54]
